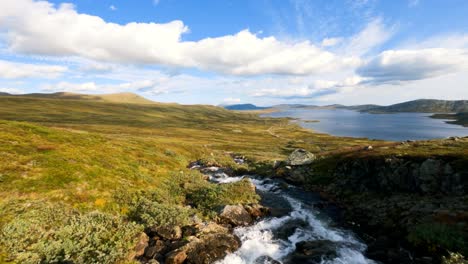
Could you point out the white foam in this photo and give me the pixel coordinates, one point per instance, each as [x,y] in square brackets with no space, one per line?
[258,240]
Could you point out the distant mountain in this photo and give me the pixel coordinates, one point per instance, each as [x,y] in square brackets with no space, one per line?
[330,107]
[242,107]
[282,106]
[130,98]
[423,106]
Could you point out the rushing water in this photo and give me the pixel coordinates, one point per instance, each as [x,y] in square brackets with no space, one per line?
[398,126]
[274,238]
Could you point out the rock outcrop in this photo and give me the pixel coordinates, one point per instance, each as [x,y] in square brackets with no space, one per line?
[300,157]
[389,199]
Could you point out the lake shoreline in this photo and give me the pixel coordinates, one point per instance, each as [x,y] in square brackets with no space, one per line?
[388,126]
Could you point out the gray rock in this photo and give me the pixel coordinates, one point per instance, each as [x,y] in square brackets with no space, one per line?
[300,157]
[266,260]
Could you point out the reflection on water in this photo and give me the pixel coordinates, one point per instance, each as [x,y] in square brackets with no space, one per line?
[398,126]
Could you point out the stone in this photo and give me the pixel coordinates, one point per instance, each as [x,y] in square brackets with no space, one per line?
[141,245]
[266,260]
[256,210]
[212,247]
[314,251]
[300,157]
[169,232]
[235,215]
[177,256]
[368,148]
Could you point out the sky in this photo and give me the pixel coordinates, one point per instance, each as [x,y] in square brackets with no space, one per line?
[264,52]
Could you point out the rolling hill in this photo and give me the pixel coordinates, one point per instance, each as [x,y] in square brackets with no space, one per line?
[424,106]
[130,98]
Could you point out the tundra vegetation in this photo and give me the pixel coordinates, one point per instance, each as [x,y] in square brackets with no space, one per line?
[81,176]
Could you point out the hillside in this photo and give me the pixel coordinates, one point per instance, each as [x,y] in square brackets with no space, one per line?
[458,118]
[424,106]
[83,165]
[111,98]
[83,171]
[243,107]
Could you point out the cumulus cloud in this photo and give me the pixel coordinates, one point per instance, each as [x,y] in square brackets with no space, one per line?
[14,70]
[330,42]
[42,28]
[393,66]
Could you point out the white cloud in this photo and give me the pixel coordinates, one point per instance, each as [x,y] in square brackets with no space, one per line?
[11,90]
[330,42]
[31,27]
[112,7]
[14,70]
[373,35]
[393,66]
[231,100]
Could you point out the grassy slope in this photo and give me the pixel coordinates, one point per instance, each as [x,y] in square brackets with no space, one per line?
[84,152]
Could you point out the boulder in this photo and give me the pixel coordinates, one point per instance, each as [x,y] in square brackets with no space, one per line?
[235,215]
[314,251]
[300,157]
[256,210]
[169,232]
[266,260]
[177,256]
[212,247]
[207,248]
[141,245]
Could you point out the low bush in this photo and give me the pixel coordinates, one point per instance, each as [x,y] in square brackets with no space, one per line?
[57,234]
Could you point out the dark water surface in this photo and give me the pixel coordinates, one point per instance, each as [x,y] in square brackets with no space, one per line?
[398,126]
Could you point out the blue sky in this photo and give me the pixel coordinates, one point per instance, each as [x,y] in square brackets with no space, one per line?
[223,52]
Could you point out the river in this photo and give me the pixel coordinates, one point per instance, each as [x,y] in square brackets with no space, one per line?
[273,239]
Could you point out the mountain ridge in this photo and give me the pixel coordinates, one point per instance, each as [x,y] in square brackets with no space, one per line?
[124,97]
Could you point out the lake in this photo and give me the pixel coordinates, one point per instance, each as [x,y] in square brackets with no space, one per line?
[396,127]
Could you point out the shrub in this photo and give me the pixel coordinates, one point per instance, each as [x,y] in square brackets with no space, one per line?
[211,197]
[454,258]
[150,213]
[435,236]
[57,234]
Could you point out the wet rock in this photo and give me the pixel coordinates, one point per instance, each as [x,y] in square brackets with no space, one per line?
[300,157]
[288,228]
[235,215]
[266,260]
[314,251]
